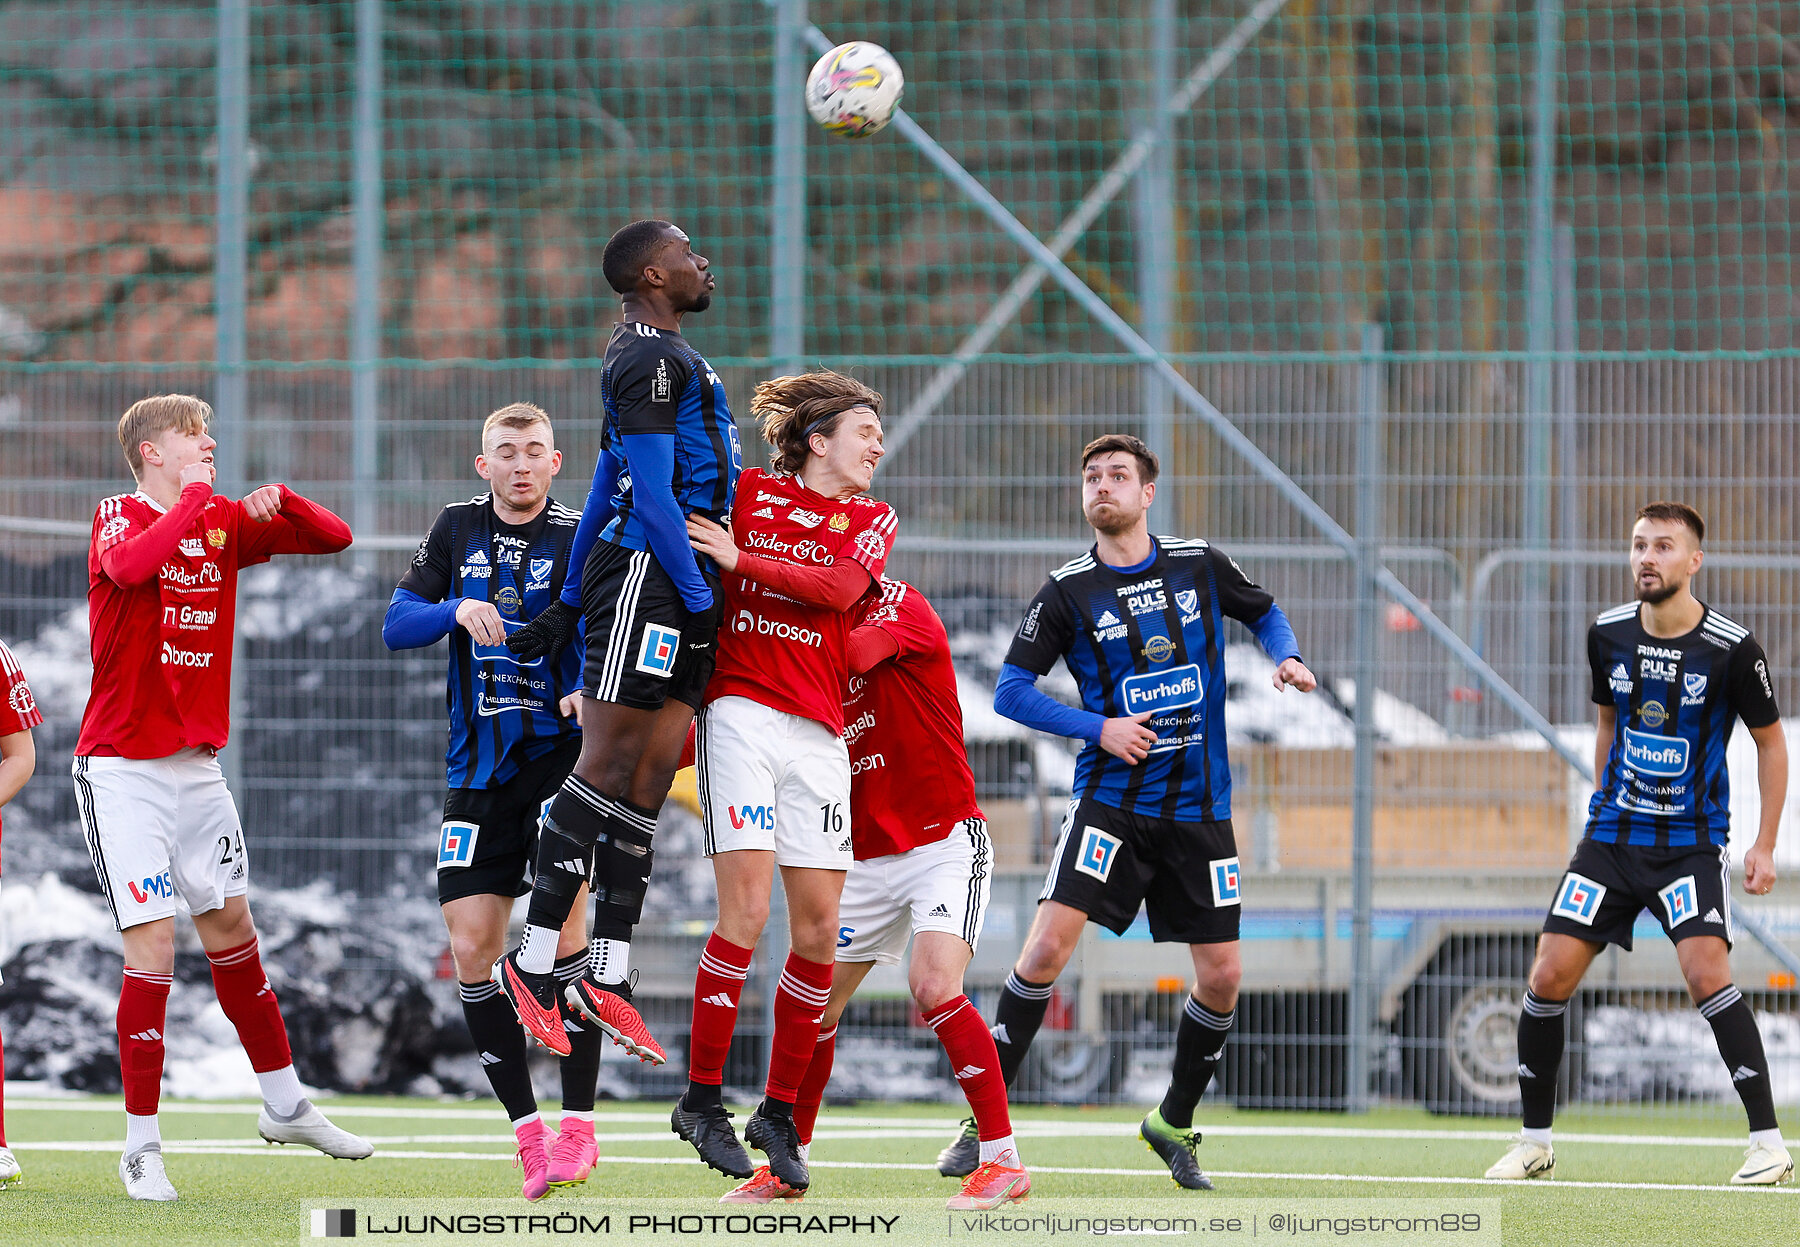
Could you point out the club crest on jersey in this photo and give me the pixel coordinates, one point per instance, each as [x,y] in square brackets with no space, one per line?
[456,844]
[215,537]
[1579,899]
[806,519]
[1097,852]
[1693,689]
[1187,601]
[1679,901]
[872,543]
[541,568]
[20,700]
[839,522]
[1225,881]
[656,655]
[1159,649]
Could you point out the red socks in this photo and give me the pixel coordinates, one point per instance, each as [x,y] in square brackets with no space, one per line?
[143,1010]
[718,984]
[800,1001]
[249,1001]
[812,1087]
[976,1064]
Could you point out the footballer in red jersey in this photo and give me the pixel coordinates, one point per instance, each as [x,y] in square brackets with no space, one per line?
[18,758]
[159,821]
[804,550]
[922,869]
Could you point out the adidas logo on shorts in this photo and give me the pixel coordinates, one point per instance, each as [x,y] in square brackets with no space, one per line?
[1712,916]
[942,911]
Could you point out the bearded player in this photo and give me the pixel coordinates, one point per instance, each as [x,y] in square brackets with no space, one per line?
[922,872]
[773,770]
[160,823]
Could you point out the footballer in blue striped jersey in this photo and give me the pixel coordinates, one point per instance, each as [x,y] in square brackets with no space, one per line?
[1671,676]
[1139,622]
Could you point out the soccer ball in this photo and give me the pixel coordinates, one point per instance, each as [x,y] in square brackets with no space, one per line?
[854,89]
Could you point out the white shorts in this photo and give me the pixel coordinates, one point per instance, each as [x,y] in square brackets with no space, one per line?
[935,887]
[772,780]
[158,829]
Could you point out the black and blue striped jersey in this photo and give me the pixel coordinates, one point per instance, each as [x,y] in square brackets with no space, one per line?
[1150,638]
[503,711]
[653,382]
[1677,699]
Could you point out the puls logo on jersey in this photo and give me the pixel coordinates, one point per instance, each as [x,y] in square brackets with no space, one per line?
[806,519]
[1656,669]
[1620,680]
[193,547]
[1693,689]
[1154,603]
[1664,757]
[1157,691]
[511,550]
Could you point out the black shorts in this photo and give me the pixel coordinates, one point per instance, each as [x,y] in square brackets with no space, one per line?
[643,644]
[488,843]
[1607,885]
[1108,862]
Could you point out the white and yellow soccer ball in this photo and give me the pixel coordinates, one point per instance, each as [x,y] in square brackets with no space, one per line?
[854,89]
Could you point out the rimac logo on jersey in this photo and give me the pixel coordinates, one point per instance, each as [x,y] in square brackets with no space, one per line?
[1161,690]
[1693,689]
[656,655]
[1665,757]
[1097,852]
[1679,901]
[1579,899]
[1224,874]
[456,844]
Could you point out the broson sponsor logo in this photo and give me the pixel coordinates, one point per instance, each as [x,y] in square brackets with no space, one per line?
[746,621]
[184,657]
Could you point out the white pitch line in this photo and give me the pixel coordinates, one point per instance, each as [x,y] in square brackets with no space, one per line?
[209,1147]
[847,1127]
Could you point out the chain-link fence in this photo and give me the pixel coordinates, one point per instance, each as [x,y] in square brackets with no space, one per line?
[357,227]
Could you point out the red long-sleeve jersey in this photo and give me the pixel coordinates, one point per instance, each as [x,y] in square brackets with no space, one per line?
[162,596]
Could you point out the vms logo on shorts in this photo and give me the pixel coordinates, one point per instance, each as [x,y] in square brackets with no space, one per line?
[1162,690]
[1225,881]
[743,816]
[1679,901]
[656,656]
[456,844]
[1665,757]
[1579,899]
[156,885]
[1097,852]
[845,935]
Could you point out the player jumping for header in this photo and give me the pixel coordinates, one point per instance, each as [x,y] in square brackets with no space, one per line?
[1671,676]
[651,605]
[160,824]
[1139,622]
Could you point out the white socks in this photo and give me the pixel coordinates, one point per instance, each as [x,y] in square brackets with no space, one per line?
[992,1150]
[1767,1138]
[609,961]
[1539,1137]
[281,1090]
[141,1130]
